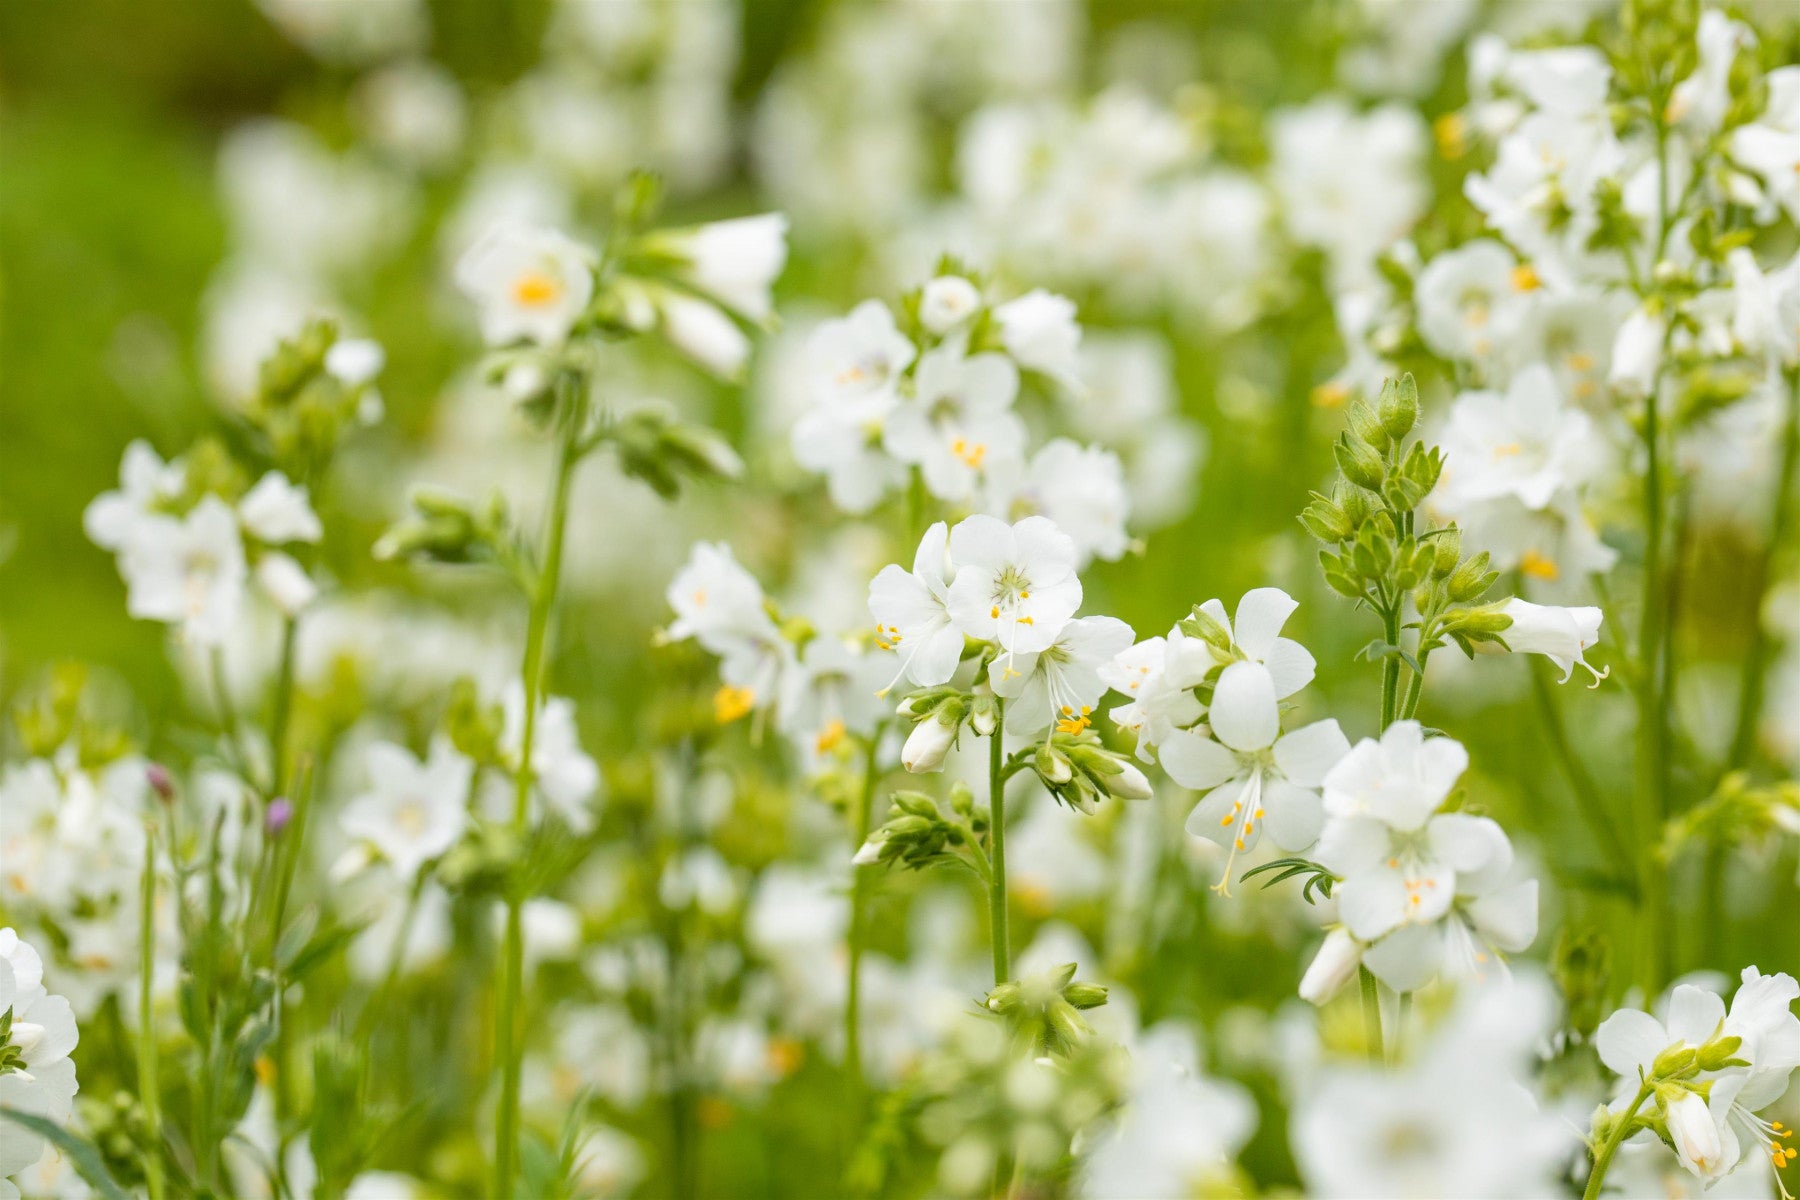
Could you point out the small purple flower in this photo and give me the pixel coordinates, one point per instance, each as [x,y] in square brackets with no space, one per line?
[279,813]
[161,782]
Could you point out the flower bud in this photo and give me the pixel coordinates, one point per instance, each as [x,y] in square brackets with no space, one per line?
[869,852]
[161,782]
[1471,579]
[1399,406]
[1695,1136]
[926,746]
[1360,464]
[946,302]
[1053,765]
[1447,550]
[1130,783]
[278,815]
[1367,427]
[1331,967]
[1719,1053]
[1674,1061]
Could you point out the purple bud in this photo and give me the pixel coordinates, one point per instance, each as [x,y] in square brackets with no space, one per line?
[161,782]
[276,819]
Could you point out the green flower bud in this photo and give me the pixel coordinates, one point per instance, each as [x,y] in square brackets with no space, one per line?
[1360,464]
[1367,428]
[1447,552]
[1674,1062]
[1719,1053]
[1470,580]
[1398,406]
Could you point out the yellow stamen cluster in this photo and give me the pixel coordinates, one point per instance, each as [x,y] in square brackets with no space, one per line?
[972,454]
[731,703]
[887,636]
[1539,566]
[1451,133]
[829,737]
[1780,1155]
[535,289]
[1074,722]
[1525,278]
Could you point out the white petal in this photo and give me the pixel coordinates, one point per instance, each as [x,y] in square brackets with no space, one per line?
[1371,902]
[1306,754]
[1260,615]
[1508,918]
[1291,665]
[1694,1013]
[1630,1039]
[1195,761]
[1293,814]
[1407,959]
[1243,713]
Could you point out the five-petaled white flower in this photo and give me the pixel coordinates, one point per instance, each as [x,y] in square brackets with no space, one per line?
[528,283]
[959,419]
[414,810]
[187,571]
[1015,585]
[1059,685]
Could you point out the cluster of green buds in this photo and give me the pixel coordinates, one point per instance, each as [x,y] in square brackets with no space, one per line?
[918,833]
[938,715]
[444,527]
[1381,551]
[67,709]
[1044,1012]
[657,446]
[1739,813]
[1079,770]
[315,386]
[117,1127]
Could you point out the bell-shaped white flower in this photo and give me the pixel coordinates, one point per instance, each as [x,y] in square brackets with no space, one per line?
[1253,774]
[528,283]
[736,261]
[1059,685]
[413,810]
[702,331]
[1015,585]
[1563,635]
[911,613]
[946,302]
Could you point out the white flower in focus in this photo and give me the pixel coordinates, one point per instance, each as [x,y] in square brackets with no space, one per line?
[145,483]
[40,1078]
[187,571]
[1039,330]
[946,302]
[560,770]
[1015,585]
[735,262]
[959,421]
[276,512]
[1254,775]
[1059,685]
[414,810]
[911,613]
[1160,675]
[1081,488]
[1254,636]
[1563,635]
[527,282]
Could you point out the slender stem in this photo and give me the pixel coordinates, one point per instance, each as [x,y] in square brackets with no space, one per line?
[284,708]
[1390,665]
[1588,799]
[1402,1006]
[997,852]
[1652,710]
[1756,659]
[149,1085]
[365,1023]
[859,900]
[1371,1006]
[508,1031]
[1603,1159]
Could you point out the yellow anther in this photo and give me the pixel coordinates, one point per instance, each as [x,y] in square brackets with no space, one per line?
[535,289]
[829,737]
[1330,395]
[730,703]
[1525,278]
[1539,566]
[1451,133]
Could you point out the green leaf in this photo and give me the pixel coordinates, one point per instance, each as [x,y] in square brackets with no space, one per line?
[81,1153]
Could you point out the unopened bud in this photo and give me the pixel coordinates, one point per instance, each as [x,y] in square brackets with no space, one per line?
[926,746]
[161,782]
[1399,406]
[1331,967]
[1674,1061]
[1360,464]
[1719,1053]
[1130,783]
[278,815]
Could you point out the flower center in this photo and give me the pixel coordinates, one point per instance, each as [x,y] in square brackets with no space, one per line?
[536,289]
[731,703]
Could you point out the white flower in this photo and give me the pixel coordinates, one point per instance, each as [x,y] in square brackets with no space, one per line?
[1526,444]
[1061,683]
[857,356]
[1039,330]
[1488,919]
[1571,80]
[958,420]
[1699,101]
[1081,488]
[187,571]
[1349,183]
[145,483]
[722,606]
[528,283]
[1470,300]
[1253,774]
[704,333]
[833,691]
[277,511]
[911,613]
[43,1035]
[1160,675]
[1255,637]
[1770,146]
[355,361]
[286,583]
[1563,635]
[1397,857]
[946,302]
[1637,354]
[1331,968]
[561,771]
[414,810]
[1696,1138]
[736,261]
[1015,585]
[924,751]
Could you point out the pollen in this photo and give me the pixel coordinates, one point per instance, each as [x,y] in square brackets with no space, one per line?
[1525,278]
[1451,132]
[994,612]
[1074,722]
[1539,566]
[730,703]
[971,453]
[535,289]
[829,737]
[1026,620]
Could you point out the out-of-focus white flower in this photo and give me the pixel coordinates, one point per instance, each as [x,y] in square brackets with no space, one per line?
[704,333]
[1039,330]
[1350,183]
[187,571]
[560,770]
[1526,444]
[528,283]
[146,482]
[286,583]
[43,1035]
[1014,585]
[1331,968]
[946,302]
[1471,300]
[350,33]
[1637,354]
[414,110]
[1699,102]
[1770,145]
[355,361]
[414,810]
[1081,488]
[736,261]
[277,511]
[1563,635]
[958,422]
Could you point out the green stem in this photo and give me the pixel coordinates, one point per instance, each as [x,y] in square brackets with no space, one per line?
[149,1085]
[997,852]
[1371,1006]
[1603,1159]
[1756,659]
[1390,666]
[508,1031]
[1588,799]
[284,708]
[859,899]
